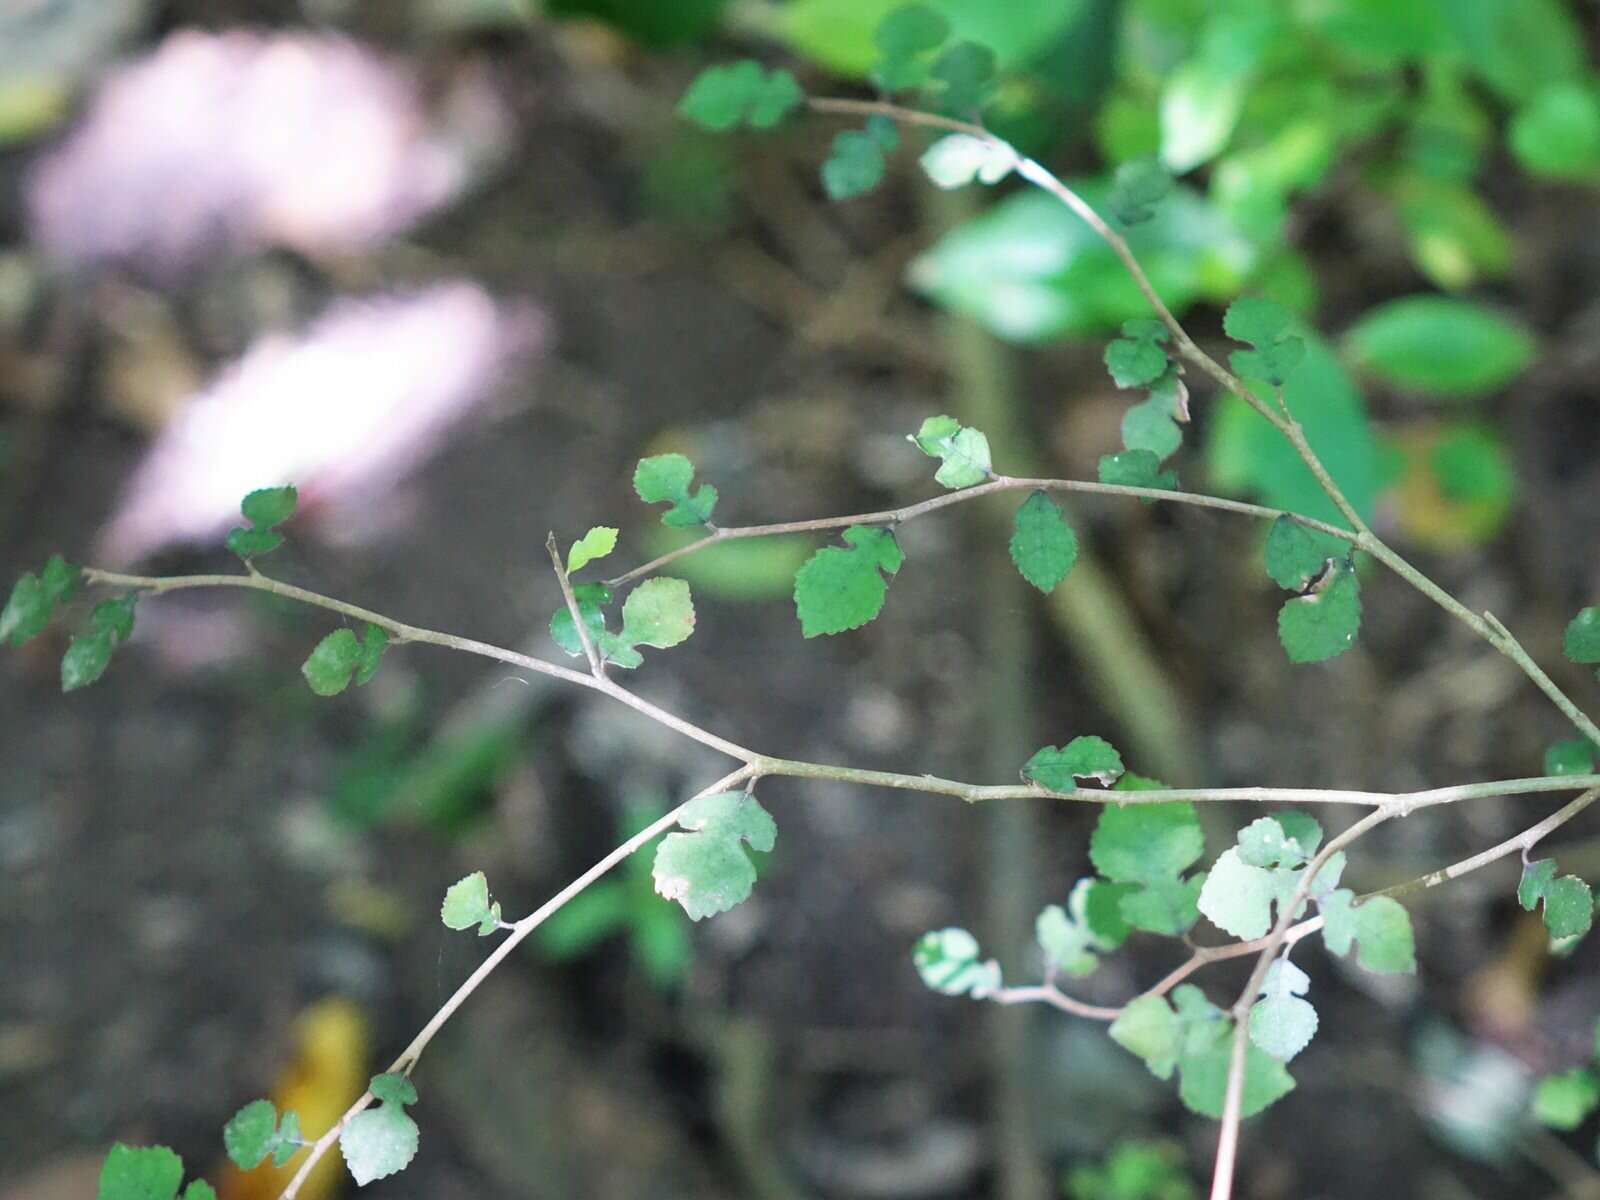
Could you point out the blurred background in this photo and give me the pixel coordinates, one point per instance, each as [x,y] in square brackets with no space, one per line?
[453,266]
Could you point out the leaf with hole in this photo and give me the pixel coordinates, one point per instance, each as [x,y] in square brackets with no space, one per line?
[1323,623]
[1086,757]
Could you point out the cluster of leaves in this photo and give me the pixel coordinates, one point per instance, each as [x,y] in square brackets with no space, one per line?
[33,603]
[1151,431]
[658,612]
[1134,1170]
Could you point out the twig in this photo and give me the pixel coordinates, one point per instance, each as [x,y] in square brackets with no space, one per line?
[596,667]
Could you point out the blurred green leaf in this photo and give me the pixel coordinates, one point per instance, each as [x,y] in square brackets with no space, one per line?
[1455,238]
[1437,344]
[854,166]
[1557,133]
[649,22]
[1029,270]
[722,98]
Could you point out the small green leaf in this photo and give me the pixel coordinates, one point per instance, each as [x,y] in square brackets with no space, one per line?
[1294,556]
[1204,1082]
[706,870]
[340,656]
[884,131]
[854,166]
[665,478]
[1568,907]
[1136,468]
[378,1142]
[1069,936]
[591,597]
[1323,623]
[1575,756]
[265,509]
[956,159]
[1152,424]
[251,1134]
[1442,345]
[949,962]
[740,93]
[1150,845]
[1086,757]
[1380,926]
[140,1173]
[1557,134]
[1150,1030]
[1537,876]
[961,79]
[1137,358]
[840,587]
[34,599]
[199,1189]
[1043,546]
[1237,897]
[1265,325]
[86,659]
[1565,1101]
[1581,643]
[1281,1023]
[659,613]
[466,903]
[597,543]
[1136,189]
[964,452]
[289,1139]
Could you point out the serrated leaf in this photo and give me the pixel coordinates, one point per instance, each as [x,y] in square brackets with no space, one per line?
[1137,359]
[1087,757]
[1565,1101]
[1136,468]
[1148,1029]
[1143,843]
[378,1142]
[1151,424]
[1575,756]
[963,452]
[665,478]
[199,1189]
[1294,555]
[659,613]
[466,903]
[841,587]
[34,599]
[1380,928]
[265,509]
[854,166]
[252,543]
[1043,546]
[251,1134]
[1281,1023]
[724,97]
[1303,830]
[1536,879]
[1265,325]
[340,656]
[957,159]
[706,870]
[1136,189]
[1237,897]
[1568,907]
[1263,843]
[140,1173]
[393,1087]
[86,659]
[1581,642]
[1323,623]
[597,543]
[948,960]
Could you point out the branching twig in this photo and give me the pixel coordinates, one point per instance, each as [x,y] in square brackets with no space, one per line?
[596,667]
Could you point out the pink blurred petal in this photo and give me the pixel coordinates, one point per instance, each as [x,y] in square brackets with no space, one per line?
[342,411]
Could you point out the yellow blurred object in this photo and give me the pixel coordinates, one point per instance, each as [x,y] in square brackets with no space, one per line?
[328,1071]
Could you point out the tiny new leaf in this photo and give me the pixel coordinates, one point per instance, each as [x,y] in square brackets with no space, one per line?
[722,98]
[950,962]
[1565,1101]
[1043,546]
[905,39]
[1322,624]
[265,509]
[964,452]
[1086,757]
[597,543]
[339,657]
[378,1142]
[665,479]
[706,869]
[466,903]
[842,587]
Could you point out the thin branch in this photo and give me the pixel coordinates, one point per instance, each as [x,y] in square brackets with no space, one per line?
[1049,993]
[519,931]
[596,667]
[1000,483]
